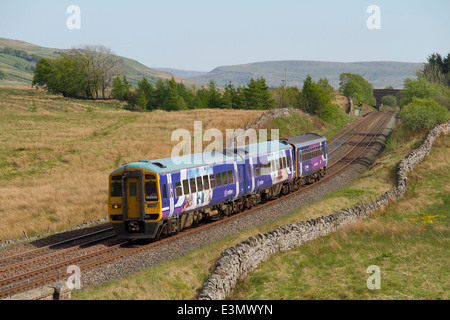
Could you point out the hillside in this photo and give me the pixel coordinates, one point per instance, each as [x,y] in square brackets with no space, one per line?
[20,65]
[380,74]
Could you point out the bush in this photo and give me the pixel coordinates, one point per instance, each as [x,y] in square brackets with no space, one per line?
[389,101]
[423,114]
[333,114]
[424,89]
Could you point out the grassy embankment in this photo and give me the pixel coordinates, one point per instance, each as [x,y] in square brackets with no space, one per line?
[56,154]
[408,241]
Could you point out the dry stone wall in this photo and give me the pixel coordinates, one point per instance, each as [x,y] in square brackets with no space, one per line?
[235,262]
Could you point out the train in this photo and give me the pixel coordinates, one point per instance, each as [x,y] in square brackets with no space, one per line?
[153,199]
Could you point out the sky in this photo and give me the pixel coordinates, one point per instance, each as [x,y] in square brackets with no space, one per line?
[200,35]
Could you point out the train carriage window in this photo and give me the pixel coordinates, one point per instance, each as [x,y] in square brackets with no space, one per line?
[178,190]
[218,180]
[164,192]
[280,164]
[224,178]
[284,162]
[288,161]
[257,170]
[151,193]
[212,181]
[186,187]
[230,177]
[205,182]
[116,189]
[199,184]
[192,184]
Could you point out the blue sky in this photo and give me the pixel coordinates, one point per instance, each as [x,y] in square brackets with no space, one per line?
[201,35]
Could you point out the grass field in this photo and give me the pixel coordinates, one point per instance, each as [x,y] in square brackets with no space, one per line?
[56,153]
[408,241]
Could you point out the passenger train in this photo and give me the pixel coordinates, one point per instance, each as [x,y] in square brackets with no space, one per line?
[151,199]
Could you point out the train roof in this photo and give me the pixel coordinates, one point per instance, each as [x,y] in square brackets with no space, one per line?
[202,159]
[305,139]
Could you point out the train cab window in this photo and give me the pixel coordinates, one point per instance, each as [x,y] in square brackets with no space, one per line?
[199,184]
[186,187]
[116,189]
[178,190]
[192,184]
[151,193]
[224,178]
[205,182]
[230,177]
[218,180]
[212,181]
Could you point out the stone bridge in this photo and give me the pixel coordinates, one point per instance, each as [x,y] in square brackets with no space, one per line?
[380,93]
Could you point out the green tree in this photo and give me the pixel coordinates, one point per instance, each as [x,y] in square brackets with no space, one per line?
[215,99]
[257,95]
[172,100]
[366,87]
[149,93]
[389,101]
[119,88]
[354,90]
[3,75]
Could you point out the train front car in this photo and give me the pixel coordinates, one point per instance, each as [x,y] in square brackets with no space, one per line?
[134,207]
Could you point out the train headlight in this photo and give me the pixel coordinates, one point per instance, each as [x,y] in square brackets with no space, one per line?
[116,206]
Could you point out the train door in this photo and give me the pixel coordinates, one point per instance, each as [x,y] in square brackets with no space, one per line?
[171,195]
[133,205]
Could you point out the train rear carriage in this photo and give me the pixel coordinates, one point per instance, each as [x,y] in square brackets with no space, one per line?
[310,156]
[153,197]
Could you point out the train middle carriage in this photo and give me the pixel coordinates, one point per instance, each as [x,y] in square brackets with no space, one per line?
[150,198]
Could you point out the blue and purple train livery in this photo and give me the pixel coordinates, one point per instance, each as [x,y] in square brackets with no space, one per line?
[155,198]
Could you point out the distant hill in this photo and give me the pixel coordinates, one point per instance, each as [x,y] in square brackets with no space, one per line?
[182,73]
[381,74]
[19,64]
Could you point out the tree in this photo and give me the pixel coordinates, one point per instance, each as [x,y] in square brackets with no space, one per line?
[81,73]
[317,98]
[215,99]
[389,101]
[147,89]
[257,95]
[436,70]
[366,87]
[3,75]
[354,90]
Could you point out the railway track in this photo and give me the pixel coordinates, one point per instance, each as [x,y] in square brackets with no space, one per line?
[23,271]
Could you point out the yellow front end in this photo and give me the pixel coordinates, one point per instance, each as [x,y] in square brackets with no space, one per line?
[134,202]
